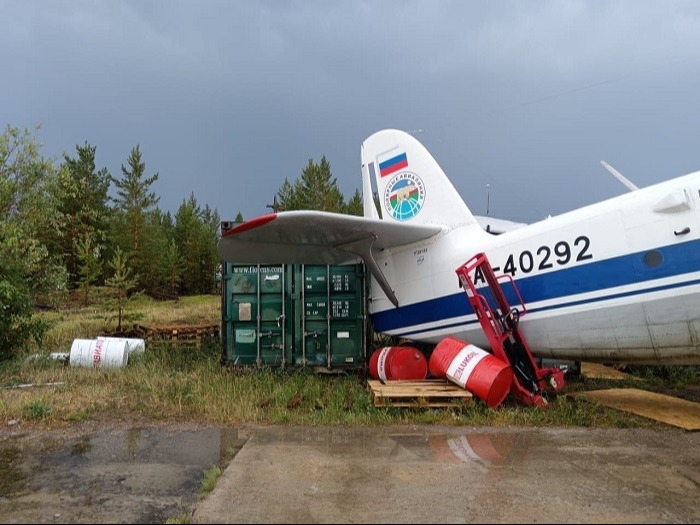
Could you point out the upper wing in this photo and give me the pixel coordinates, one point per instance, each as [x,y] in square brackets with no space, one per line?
[314,237]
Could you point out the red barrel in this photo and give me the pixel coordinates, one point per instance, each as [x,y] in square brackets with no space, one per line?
[398,362]
[472,368]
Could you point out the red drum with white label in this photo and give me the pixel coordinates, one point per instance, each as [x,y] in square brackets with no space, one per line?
[398,362]
[472,368]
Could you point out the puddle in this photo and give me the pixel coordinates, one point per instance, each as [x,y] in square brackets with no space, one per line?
[129,475]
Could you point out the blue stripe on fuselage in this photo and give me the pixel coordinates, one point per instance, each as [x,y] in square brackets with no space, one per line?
[612,273]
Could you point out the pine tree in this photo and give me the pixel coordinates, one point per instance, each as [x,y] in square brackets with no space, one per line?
[186,234]
[89,265]
[156,270]
[172,269]
[317,189]
[354,206]
[288,197]
[82,200]
[121,280]
[135,201]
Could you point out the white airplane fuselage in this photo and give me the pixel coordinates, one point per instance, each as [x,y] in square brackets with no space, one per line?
[616,281]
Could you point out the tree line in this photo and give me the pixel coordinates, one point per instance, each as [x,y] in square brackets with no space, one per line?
[62,233]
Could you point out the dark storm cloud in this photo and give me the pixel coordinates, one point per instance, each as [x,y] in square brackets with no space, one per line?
[227,99]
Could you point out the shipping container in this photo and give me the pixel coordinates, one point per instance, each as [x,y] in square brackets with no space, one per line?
[294,315]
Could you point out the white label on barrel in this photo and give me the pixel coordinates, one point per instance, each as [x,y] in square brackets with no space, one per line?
[464,363]
[381,362]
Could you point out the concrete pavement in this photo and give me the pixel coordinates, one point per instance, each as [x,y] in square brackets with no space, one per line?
[434,474]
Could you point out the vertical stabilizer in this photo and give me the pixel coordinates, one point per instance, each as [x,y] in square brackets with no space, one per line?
[410,185]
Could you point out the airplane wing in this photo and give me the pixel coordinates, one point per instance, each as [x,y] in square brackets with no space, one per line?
[314,237]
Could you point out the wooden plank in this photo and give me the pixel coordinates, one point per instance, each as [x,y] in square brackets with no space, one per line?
[600,371]
[407,388]
[667,409]
[425,393]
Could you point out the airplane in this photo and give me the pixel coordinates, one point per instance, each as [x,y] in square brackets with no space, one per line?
[617,281]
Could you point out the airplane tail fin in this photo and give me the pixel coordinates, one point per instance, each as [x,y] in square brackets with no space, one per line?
[408,183]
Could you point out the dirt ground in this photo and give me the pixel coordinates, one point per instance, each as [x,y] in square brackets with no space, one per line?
[105,473]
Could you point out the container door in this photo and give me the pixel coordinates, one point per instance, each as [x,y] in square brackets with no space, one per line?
[347,316]
[254,314]
[314,315]
[272,333]
[332,324]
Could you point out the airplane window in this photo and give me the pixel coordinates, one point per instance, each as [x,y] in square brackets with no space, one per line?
[653,258]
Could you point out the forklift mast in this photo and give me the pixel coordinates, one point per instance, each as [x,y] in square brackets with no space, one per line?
[501,324]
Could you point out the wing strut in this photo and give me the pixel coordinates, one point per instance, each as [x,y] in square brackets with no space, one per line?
[363,249]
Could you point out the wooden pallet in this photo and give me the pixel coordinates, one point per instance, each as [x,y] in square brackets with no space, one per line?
[426,393]
[187,334]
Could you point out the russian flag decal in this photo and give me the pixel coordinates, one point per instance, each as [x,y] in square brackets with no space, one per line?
[393,164]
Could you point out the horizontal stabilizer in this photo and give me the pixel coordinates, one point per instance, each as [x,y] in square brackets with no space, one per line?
[497,226]
[314,237]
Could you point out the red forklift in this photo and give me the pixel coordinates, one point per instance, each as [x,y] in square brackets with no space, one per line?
[500,323]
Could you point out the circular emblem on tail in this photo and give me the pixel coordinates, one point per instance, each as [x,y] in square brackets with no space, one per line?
[404,196]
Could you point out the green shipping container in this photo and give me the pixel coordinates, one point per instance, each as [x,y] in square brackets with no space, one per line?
[294,315]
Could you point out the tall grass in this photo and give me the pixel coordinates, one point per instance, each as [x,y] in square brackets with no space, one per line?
[180,383]
[91,321]
[171,383]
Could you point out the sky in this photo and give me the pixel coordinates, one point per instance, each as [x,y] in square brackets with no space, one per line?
[518,101]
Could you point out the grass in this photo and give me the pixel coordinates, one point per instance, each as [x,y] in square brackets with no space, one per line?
[211,476]
[182,516]
[175,383]
[181,383]
[37,410]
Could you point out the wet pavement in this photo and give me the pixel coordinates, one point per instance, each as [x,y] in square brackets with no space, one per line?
[100,475]
[397,474]
[459,475]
